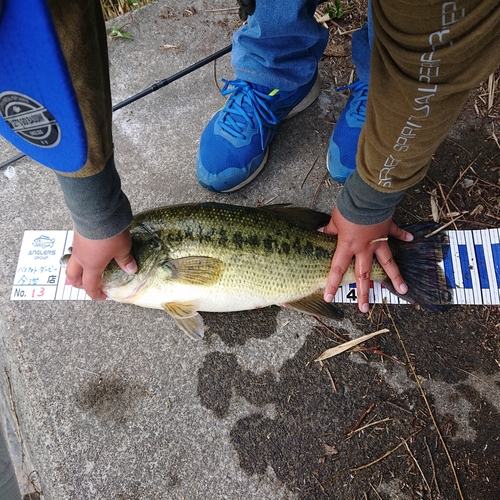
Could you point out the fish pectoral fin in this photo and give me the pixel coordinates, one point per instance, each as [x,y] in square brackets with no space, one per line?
[187,318]
[315,304]
[194,270]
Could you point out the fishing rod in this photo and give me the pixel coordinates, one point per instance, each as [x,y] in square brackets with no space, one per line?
[150,90]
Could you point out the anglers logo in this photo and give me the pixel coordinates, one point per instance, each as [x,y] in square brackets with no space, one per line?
[44,241]
[29,119]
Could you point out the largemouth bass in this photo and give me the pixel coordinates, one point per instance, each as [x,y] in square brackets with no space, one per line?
[220,258]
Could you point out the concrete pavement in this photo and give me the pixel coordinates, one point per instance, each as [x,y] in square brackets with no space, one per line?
[113,401]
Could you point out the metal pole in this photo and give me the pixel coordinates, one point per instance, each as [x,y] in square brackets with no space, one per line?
[150,90]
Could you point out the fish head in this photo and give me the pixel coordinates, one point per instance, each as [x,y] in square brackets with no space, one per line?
[148,252]
[119,285]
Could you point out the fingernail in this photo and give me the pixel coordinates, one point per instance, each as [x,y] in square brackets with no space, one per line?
[409,237]
[403,288]
[131,267]
[365,307]
[329,297]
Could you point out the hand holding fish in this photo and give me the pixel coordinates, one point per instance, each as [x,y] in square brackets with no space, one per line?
[89,258]
[357,242]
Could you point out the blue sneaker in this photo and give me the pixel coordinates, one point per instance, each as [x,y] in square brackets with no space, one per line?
[341,159]
[235,144]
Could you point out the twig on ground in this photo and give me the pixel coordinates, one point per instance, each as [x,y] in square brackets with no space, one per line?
[308,172]
[434,479]
[460,177]
[319,187]
[334,351]
[371,424]
[386,454]
[429,409]
[331,379]
[361,418]
[376,492]
[419,468]
[443,226]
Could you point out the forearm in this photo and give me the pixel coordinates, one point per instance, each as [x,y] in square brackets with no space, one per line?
[99,208]
[425,60]
[362,204]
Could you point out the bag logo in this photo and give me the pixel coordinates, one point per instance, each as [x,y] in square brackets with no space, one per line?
[29,119]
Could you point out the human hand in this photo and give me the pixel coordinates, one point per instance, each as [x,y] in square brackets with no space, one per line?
[355,241]
[89,258]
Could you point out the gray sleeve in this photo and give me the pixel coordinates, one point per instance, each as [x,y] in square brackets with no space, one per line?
[98,206]
[361,204]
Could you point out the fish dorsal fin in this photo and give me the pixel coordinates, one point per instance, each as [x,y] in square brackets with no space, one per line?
[194,270]
[315,304]
[300,215]
[187,318]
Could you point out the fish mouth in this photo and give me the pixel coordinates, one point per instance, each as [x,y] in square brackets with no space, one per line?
[106,289]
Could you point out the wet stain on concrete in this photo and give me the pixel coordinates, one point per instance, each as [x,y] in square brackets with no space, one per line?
[110,395]
[238,327]
[220,375]
[312,417]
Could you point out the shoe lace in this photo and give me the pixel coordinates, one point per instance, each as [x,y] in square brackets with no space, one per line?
[247,105]
[360,94]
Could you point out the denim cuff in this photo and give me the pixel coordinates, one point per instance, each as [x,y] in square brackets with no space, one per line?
[98,206]
[361,204]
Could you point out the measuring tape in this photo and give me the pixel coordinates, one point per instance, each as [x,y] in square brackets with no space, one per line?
[472,268]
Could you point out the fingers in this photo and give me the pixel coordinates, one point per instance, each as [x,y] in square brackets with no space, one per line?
[89,280]
[398,233]
[74,273]
[127,263]
[340,263]
[362,244]
[386,260]
[363,284]
[90,257]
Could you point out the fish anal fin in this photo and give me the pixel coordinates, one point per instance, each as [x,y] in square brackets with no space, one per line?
[195,270]
[187,318]
[316,306]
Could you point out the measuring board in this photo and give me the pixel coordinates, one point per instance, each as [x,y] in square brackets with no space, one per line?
[39,274]
[472,268]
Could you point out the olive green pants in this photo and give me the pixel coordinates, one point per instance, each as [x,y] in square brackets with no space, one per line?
[426,58]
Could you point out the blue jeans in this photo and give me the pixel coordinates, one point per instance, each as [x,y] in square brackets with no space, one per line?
[362,41]
[282,43]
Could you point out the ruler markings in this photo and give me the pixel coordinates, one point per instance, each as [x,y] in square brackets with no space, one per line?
[490,265]
[471,266]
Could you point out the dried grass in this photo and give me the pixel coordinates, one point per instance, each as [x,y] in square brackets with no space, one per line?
[114,8]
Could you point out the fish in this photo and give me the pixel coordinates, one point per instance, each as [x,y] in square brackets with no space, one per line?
[217,257]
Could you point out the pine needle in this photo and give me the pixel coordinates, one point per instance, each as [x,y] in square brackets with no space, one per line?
[429,409]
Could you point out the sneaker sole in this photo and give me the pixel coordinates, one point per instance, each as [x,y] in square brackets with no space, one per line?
[252,177]
[308,99]
[305,103]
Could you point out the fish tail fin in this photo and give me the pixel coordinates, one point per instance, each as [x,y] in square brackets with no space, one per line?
[418,262]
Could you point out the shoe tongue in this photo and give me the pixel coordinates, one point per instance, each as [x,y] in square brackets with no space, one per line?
[247,105]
